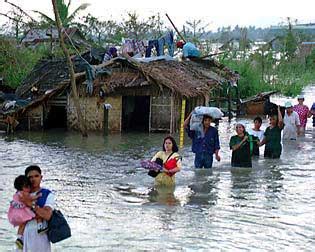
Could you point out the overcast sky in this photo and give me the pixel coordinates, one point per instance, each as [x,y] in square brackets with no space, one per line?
[215,13]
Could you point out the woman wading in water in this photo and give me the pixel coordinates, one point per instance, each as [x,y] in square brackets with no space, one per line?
[171,163]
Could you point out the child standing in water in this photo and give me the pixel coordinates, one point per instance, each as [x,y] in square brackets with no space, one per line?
[257,133]
[171,163]
[19,213]
[272,136]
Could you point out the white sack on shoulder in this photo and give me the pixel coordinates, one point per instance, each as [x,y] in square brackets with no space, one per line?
[214,112]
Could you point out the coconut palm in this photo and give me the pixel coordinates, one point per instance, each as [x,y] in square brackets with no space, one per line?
[66,18]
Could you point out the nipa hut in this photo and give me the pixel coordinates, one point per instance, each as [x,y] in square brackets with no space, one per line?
[143,96]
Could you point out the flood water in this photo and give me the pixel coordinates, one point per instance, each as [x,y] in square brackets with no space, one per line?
[107,197]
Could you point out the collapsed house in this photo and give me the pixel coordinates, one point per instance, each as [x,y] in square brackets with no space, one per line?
[34,37]
[144,94]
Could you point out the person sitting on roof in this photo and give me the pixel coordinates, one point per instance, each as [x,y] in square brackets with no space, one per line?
[110,53]
[189,49]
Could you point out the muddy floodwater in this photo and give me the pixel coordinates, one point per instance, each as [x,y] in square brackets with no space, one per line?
[108,200]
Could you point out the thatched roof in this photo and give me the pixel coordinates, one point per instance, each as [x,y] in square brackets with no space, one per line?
[186,78]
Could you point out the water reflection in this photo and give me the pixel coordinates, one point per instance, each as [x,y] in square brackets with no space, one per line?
[204,188]
[164,196]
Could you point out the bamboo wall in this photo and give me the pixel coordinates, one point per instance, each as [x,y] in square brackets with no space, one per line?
[93,115]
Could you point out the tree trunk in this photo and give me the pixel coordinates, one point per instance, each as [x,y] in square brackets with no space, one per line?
[81,122]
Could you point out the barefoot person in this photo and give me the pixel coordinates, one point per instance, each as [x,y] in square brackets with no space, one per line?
[32,239]
[204,145]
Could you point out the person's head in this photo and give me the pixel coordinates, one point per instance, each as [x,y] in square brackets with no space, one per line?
[169,144]
[240,129]
[22,183]
[206,121]
[300,99]
[180,44]
[113,51]
[34,174]
[257,122]
[289,107]
[273,120]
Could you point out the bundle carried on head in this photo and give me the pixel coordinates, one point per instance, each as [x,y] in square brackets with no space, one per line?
[198,114]
[271,108]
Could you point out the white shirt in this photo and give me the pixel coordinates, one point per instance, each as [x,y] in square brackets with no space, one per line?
[290,126]
[257,133]
[33,241]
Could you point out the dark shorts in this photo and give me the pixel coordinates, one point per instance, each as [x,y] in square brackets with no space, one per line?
[203,160]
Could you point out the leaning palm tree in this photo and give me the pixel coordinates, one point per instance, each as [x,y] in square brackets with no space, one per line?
[67,19]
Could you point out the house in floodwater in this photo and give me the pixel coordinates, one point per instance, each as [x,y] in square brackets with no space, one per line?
[144,96]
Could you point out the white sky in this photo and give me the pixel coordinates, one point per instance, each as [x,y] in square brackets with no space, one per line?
[216,13]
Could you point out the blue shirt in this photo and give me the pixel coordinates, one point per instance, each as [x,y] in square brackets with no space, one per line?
[190,50]
[209,143]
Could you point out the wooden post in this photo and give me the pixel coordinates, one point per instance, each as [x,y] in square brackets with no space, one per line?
[172,115]
[229,103]
[105,121]
[150,114]
[175,28]
[182,130]
[207,100]
[81,122]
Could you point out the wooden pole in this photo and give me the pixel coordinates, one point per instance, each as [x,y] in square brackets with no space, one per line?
[81,122]
[175,28]
[182,130]
[229,103]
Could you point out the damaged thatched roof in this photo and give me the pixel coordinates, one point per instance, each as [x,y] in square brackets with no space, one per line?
[49,73]
[186,78]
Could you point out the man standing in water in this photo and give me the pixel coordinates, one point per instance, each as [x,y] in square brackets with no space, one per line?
[204,146]
[291,122]
[34,241]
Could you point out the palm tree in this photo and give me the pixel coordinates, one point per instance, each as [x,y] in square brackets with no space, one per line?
[67,19]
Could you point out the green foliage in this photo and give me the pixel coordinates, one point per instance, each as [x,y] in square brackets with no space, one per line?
[16,63]
[66,18]
[289,78]
[133,27]
[310,60]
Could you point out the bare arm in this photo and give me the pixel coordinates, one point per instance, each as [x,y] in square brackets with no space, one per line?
[262,142]
[217,156]
[237,146]
[176,169]
[43,212]
[186,122]
[280,119]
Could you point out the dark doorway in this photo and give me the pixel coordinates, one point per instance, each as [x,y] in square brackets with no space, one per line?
[135,113]
[56,117]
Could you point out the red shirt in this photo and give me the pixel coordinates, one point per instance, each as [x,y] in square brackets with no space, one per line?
[302,111]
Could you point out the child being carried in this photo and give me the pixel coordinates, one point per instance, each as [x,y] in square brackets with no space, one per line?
[19,213]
